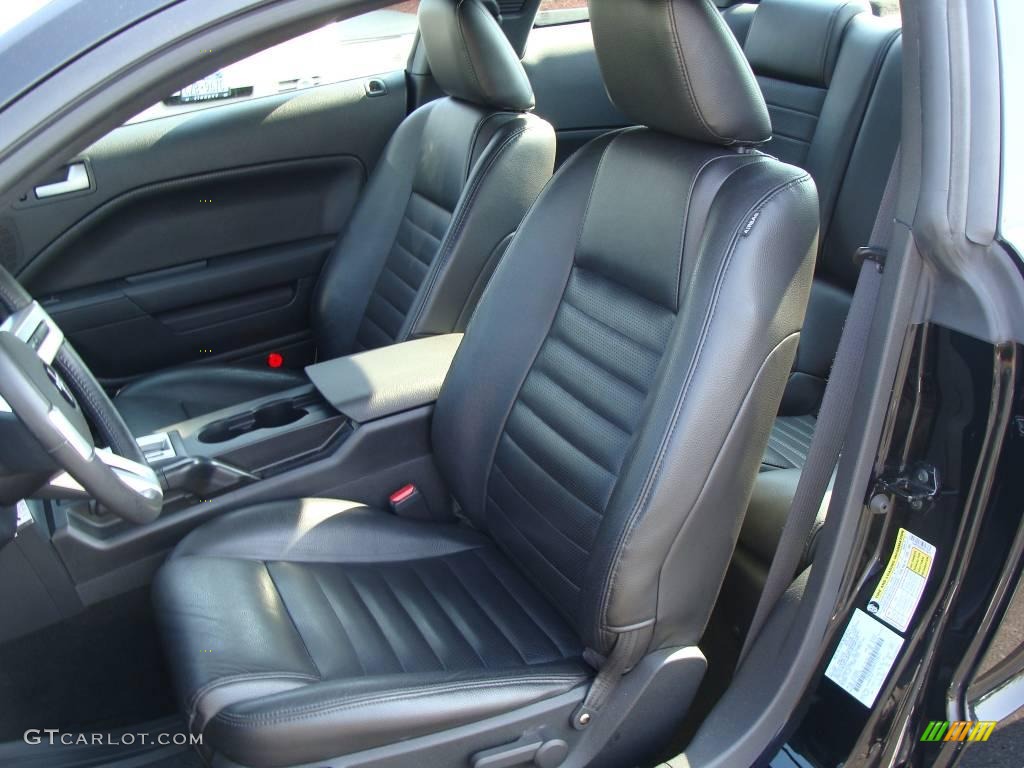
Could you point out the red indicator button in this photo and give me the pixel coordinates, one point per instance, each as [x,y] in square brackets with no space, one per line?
[402,494]
[275,359]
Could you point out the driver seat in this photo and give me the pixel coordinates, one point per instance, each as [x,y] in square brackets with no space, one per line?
[600,429]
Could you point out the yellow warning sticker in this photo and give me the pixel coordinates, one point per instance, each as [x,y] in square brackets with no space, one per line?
[903,581]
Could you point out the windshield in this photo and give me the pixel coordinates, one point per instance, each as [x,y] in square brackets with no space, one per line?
[12,13]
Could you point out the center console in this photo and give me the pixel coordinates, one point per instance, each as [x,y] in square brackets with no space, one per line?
[358,430]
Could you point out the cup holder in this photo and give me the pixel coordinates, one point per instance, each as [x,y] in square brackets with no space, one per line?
[277,415]
[269,416]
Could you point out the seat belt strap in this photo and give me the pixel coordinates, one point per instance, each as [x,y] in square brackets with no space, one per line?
[833,416]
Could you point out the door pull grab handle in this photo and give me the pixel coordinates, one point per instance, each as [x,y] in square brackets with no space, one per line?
[76,181]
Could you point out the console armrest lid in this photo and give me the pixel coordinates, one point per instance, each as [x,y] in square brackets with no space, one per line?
[373,384]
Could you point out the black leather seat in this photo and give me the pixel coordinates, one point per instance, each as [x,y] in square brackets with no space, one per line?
[600,429]
[437,213]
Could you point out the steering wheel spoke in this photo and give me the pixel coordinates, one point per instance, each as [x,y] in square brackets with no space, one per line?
[33,390]
[138,477]
[33,325]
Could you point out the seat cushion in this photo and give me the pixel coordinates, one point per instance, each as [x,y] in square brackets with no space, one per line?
[155,402]
[306,629]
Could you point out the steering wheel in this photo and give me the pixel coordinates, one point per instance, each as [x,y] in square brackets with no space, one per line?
[45,384]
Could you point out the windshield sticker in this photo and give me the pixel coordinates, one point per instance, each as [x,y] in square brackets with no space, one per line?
[864,657]
[898,593]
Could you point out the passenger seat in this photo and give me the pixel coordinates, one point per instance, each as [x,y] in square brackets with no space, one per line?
[831,76]
[438,211]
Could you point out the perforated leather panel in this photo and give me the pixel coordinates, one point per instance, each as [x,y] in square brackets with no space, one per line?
[464,611]
[571,427]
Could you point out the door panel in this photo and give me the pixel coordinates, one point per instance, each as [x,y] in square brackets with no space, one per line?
[231,308]
[201,235]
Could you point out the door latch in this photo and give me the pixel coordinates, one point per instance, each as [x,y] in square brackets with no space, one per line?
[917,484]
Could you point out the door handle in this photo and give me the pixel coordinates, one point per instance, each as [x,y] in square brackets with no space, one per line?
[76,181]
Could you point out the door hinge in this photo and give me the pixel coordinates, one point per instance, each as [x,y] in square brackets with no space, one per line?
[917,484]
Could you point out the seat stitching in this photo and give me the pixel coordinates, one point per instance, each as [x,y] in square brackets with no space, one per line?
[576,545]
[555,336]
[394,594]
[565,439]
[519,603]
[444,612]
[794,110]
[479,604]
[414,256]
[388,303]
[192,706]
[637,342]
[291,618]
[558,571]
[554,479]
[405,282]
[777,134]
[542,374]
[572,585]
[373,618]
[407,218]
[368,319]
[337,618]
[541,371]
[477,130]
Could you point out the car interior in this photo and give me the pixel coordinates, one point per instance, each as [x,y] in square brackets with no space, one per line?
[450,416]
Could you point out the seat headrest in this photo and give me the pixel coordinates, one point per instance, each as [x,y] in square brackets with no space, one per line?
[470,57]
[799,40]
[673,65]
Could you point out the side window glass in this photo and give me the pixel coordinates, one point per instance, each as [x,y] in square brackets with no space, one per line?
[885,7]
[552,12]
[370,44]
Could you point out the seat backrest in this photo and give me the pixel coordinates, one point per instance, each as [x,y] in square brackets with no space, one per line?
[819,63]
[607,411]
[452,185]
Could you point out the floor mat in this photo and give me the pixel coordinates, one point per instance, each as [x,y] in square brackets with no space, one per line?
[149,745]
[100,670]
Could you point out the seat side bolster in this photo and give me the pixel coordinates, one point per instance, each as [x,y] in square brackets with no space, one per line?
[341,717]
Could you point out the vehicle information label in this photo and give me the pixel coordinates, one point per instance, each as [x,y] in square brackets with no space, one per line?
[864,657]
[903,582]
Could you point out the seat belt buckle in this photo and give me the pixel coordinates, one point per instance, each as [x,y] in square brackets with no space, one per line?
[873,253]
[407,501]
